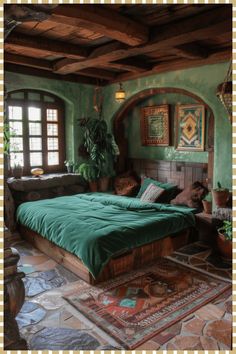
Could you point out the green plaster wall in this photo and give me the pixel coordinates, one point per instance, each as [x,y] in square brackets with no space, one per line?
[201,81]
[77,99]
[132,124]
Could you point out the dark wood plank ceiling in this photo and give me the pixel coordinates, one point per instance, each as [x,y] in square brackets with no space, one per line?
[110,43]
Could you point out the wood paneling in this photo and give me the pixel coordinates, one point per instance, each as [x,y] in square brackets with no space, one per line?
[135,41]
[179,173]
[133,259]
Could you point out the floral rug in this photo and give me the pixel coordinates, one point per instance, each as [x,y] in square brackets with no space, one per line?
[137,306]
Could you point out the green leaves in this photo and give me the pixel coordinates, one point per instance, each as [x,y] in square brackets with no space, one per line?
[99,142]
[226,230]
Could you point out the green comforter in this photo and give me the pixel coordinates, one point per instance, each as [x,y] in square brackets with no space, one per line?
[97,226]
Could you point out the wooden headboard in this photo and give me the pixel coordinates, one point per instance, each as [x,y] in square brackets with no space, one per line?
[177,172]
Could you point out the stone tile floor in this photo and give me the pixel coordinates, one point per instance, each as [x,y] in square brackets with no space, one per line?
[47,321]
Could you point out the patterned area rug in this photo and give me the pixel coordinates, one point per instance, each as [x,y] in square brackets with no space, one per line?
[137,306]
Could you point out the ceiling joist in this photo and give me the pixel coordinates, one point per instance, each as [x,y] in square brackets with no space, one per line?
[213,23]
[45,47]
[102,20]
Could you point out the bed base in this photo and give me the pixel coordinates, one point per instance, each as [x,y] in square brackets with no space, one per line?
[134,259]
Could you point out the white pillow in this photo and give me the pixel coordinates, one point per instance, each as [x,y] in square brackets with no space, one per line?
[151,194]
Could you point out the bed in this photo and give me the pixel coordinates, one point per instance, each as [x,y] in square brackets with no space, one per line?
[100,236]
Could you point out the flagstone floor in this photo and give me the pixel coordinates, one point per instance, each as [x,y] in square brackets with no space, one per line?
[47,321]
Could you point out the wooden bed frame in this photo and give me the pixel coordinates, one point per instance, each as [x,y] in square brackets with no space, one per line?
[133,259]
[179,173]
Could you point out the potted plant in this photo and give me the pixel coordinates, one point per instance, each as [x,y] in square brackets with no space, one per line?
[101,148]
[220,195]
[207,203]
[90,173]
[224,239]
[17,170]
[105,175]
[69,165]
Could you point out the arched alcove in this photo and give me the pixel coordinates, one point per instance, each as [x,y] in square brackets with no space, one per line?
[119,129]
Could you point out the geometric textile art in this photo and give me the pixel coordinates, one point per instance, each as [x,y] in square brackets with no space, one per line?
[190,127]
[138,305]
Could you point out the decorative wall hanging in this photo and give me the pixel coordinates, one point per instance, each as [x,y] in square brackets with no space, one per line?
[224,92]
[190,128]
[155,126]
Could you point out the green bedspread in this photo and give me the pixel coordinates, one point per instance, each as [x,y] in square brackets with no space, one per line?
[97,226]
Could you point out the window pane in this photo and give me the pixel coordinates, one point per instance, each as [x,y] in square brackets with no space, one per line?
[48,99]
[34,113]
[35,128]
[35,159]
[16,159]
[53,158]
[35,143]
[15,112]
[16,128]
[52,143]
[52,129]
[16,144]
[17,95]
[52,115]
[33,96]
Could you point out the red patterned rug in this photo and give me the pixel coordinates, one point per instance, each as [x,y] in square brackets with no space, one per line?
[137,306]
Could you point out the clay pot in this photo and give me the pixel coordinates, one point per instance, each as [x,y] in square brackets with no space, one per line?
[207,206]
[221,197]
[104,184]
[93,186]
[224,246]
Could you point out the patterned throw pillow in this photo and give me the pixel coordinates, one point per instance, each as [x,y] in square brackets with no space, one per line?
[151,194]
[170,189]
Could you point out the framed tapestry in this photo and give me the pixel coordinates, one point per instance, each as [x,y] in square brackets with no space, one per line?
[155,126]
[190,127]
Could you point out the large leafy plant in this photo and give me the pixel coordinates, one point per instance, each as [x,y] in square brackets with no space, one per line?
[99,144]
[88,171]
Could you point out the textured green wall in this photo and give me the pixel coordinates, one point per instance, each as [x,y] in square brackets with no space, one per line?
[201,81]
[132,123]
[77,98]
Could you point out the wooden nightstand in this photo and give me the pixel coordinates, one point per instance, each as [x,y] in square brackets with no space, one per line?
[206,230]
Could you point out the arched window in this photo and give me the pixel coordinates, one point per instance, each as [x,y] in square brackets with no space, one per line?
[36,121]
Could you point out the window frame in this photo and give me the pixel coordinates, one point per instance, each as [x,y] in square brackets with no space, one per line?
[58,104]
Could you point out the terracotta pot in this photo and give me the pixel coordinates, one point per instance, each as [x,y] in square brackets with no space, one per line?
[207,206]
[224,246]
[104,184]
[220,197]
[93,186]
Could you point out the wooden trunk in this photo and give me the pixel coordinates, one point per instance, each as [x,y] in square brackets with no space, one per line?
[121,264]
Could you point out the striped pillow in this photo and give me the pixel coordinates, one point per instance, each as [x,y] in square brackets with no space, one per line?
[151,194]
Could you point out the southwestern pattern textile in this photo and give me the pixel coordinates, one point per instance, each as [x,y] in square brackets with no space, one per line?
[135,307]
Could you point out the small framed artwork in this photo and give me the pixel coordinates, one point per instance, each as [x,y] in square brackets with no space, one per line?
[155,130]
[190,127]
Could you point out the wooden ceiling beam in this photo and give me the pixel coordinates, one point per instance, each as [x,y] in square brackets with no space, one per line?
[27,61]
[191,51]
[126,67]
[47,65]
[99,19]
[200,27]
[49,75]
[98,73]
[179,64]
[45,45]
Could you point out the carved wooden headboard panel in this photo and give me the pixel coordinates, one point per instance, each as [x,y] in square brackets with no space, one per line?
[177,172]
